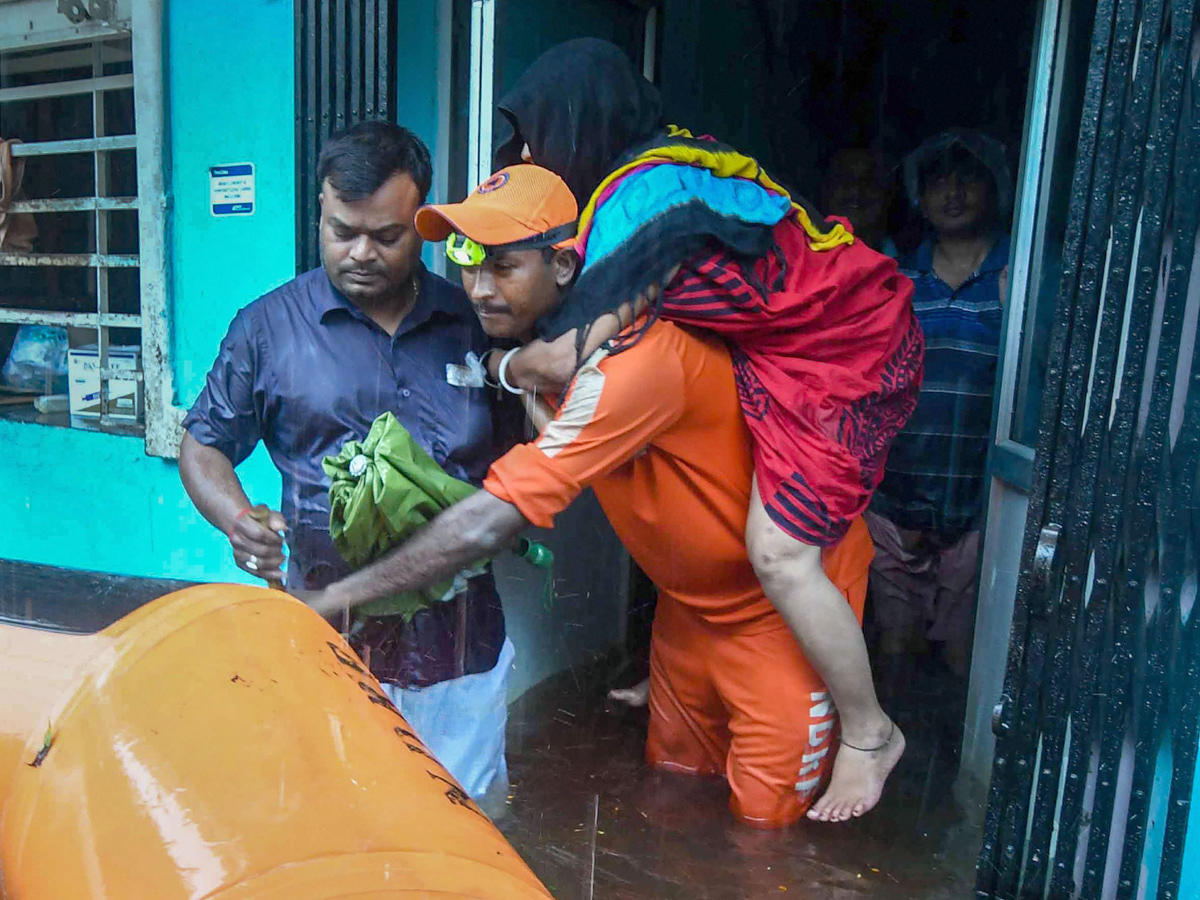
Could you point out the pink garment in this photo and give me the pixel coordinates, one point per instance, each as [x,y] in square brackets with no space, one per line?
[920,587]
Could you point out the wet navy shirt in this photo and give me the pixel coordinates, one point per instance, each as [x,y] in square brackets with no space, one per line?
[304,370]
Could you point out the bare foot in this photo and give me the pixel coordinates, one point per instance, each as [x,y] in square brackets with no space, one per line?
[859,776]
[636,696]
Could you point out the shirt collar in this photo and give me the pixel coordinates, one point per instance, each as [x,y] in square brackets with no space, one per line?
[996,259]
[435,297]
[923,256]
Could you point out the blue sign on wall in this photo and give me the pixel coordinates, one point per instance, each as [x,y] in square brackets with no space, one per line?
[231,189]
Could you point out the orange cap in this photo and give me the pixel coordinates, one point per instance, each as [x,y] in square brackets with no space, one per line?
[516,204]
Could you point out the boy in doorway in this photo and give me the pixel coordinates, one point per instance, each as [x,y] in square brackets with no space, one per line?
[858,187]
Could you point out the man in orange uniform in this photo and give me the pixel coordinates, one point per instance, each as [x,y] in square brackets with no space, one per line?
[657,432]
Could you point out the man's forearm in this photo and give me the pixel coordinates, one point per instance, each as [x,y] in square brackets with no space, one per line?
[210,480]
[475,529]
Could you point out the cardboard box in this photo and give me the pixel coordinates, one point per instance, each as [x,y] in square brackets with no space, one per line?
[83,375]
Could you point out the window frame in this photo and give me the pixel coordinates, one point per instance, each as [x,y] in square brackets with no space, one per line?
[38,24]
[1011,461]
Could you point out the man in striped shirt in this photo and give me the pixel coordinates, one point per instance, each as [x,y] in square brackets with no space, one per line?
[925,517]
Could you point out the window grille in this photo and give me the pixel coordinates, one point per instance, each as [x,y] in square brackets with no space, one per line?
[83,95]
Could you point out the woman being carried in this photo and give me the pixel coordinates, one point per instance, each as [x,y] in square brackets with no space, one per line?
[826,350]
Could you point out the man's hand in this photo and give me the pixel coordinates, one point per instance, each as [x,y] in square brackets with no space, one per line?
[547,367]
[256,537]
[322,602]
[255,532]
[476,528]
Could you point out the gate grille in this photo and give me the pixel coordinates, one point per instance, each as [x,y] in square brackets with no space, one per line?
[345,60]
[1097,732]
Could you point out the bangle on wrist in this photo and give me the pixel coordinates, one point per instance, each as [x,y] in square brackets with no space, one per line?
[487,375]
[504,368]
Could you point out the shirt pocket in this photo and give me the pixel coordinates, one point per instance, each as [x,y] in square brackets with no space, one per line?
[458,423]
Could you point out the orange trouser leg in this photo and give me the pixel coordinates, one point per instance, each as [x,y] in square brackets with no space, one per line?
[784,736]
[745,701]
[689,726]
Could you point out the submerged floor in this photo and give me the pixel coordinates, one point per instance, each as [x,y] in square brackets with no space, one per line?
[593,822]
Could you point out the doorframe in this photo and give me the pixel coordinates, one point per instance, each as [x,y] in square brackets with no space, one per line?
[482,90]
[1010,460]
[482,100]
[1010,463]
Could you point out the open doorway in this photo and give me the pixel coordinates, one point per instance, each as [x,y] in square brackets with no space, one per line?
[793,85]
[817,91]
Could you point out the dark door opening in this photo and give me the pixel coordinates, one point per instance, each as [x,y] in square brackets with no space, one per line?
[791,84]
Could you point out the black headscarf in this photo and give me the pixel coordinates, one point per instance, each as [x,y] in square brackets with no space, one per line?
[581,106]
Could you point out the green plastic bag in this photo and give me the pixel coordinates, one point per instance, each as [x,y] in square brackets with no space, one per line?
[382,490]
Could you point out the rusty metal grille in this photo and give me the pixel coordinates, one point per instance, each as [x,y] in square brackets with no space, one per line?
[345,65]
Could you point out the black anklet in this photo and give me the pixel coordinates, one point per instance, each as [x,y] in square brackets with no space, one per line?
[891,734]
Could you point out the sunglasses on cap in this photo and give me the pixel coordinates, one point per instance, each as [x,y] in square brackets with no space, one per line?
[463,251]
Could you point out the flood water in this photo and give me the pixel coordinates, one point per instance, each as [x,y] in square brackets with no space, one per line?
[593,821]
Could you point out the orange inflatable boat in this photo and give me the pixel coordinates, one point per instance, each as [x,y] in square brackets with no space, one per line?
[224,743]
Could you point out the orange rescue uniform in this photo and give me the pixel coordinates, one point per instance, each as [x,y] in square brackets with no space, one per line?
[657,432]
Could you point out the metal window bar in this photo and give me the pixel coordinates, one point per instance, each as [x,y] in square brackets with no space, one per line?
[83,145]
[99,205]
[100,225]
[73,204]
[69,319]
[68,58]
[95,85]
[345,57]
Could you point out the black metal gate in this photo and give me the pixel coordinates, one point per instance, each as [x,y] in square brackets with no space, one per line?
[345,59]
[1097,729]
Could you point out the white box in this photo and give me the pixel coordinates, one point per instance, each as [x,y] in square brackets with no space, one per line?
[83,374]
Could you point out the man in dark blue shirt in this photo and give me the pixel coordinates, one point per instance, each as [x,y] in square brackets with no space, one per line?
[310,366]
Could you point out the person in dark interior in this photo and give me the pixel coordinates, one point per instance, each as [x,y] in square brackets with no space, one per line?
[925,517]
[858,186]
[309,367]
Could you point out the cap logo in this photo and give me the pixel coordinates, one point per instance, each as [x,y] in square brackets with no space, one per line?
[497,181]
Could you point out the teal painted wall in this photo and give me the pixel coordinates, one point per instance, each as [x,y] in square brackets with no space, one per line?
[92,501]
[417,90]
[1189,877]
[417,70]
[230,101]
